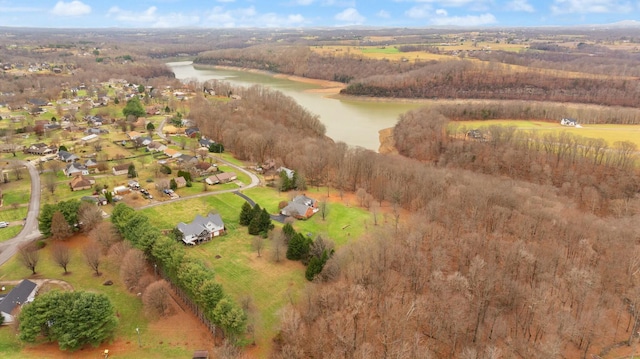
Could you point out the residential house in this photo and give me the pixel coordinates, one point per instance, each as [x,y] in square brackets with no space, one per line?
[68,157]
[91,164]
[221,178]
[156,147]
[201,229]
[81,182]
[23,293]
[170,152]
[569,122]
[95,131]
[301,207]
[187,159]
[97,200]
[142,141]
[205,167]
[75,168]
[40,149]
[192,132]
[206,142]
[122,169]
[133,135]
[180,181]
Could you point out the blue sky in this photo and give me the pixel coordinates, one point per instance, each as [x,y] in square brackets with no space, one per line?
[309,13]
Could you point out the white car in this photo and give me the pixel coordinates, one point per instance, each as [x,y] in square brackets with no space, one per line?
[4,224]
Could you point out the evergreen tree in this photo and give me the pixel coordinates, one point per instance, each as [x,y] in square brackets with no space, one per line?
[246,214]
[298,247]
[254,226]
[173,185]
[231,318]
[315,266]
[265,222]
[134,108]
[289,232]
[132,173]
[73,319]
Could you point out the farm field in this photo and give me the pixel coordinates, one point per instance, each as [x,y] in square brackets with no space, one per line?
[609,132]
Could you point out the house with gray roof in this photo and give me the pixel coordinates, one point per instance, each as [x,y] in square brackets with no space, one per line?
[301,207]
[20,294]
[202,229]
[67,156]
[75,168]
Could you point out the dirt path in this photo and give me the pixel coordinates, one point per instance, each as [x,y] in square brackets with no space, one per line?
[40,282]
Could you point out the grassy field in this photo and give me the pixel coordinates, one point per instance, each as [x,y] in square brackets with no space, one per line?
[9,232]
[610,133]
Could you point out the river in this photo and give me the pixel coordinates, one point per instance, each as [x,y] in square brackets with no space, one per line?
[351,121]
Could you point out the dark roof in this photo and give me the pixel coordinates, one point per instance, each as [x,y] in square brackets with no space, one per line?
[17,296]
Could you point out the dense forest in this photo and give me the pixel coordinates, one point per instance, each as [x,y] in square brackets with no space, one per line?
[469,265]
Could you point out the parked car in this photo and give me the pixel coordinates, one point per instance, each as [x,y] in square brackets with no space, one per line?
[4,224]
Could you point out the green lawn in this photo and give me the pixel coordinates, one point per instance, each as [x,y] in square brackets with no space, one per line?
[13,214]
[9,232]
[16,191]
[380,50]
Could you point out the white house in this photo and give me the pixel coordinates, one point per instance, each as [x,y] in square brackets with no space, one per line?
[22,293]
[201,229]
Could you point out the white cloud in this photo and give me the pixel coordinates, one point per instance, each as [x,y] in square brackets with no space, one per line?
[383,14]
[73,8]
[452,3]
[249,17]
[590,6]
[469,20]
[520,5]
[304,2]
[350,15]
[419,12]
[442,12]
[150,17]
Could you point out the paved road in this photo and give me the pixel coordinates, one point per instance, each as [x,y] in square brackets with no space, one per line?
[30,230]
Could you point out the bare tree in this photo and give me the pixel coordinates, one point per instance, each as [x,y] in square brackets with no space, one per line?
[60,228]
[50,182]
[18,170]
[156,298]
[91,254]
[258,244]
[55,166]
[132,268]
[118,250]
[105,234]
[278,248]
[61,256]
[29,256]
[323,208]
[89,215]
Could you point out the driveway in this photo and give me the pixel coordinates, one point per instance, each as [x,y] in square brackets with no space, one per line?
[30,230]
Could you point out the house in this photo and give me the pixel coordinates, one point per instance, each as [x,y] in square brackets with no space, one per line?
[569,122]
[201,229]
[68,157]
[24,292]
[97,200]
[40,149]
[289,172]
[221,178]
[133,135]
[81,182]
[180,181]
[206,142]
[156,147]
[170,152]
[186,159]
[205,167]
[90,163]
[75,168]
[191,132]
[143,141]
[133,184]
[122,169]
[301,207]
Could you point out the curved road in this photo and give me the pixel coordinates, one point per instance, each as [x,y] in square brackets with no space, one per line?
[30,230]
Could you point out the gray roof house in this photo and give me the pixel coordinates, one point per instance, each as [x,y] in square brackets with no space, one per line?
[301,207]
[201,229]
[76,168]
[22,293]
[67,156]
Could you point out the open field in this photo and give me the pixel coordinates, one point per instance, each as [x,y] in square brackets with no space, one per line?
[608,132]
[169,338]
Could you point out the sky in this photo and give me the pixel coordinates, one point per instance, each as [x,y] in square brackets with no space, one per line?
[312,13]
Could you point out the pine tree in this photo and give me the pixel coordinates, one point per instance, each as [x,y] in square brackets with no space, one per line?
[289,232]
[298,247]
[265,222]
[173,185]
[246,214]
